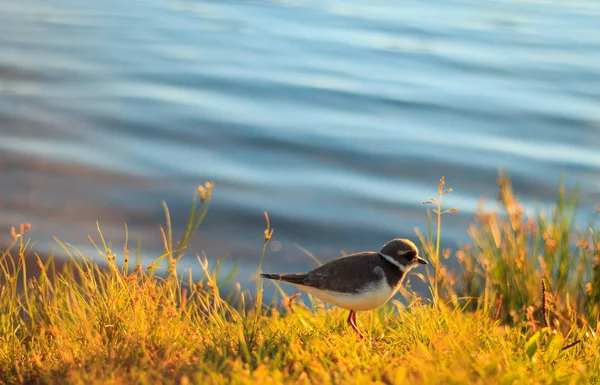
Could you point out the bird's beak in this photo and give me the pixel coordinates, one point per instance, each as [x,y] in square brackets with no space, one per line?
[421,261]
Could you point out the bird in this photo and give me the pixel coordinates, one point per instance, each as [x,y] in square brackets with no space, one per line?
[360,281]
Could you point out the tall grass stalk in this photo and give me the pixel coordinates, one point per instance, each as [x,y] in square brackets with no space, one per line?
[259,283]
[436,278]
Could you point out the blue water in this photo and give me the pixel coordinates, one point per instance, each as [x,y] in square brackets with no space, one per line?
[337,117]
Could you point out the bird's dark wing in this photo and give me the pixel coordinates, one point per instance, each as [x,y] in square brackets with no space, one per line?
[347,274]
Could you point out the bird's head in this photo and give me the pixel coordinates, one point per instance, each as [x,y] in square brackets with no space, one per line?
[402,253]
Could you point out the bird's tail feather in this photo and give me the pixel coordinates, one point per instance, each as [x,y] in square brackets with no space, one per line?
[297,279]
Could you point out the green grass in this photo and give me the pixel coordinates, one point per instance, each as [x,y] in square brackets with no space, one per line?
[490,322]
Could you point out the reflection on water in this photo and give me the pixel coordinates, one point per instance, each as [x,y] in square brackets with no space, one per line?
[338,118]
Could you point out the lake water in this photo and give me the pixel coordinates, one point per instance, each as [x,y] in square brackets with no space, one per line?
[337,117]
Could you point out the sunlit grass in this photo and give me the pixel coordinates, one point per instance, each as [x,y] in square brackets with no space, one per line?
[149,323]
[512,251]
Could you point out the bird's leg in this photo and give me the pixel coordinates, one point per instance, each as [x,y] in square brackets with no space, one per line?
[356,325]
[352,322]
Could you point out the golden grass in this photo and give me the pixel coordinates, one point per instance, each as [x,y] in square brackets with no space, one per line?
[128,324]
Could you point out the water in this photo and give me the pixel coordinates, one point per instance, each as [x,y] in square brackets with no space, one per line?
[337,118]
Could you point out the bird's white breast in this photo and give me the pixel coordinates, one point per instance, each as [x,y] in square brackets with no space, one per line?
[370,297]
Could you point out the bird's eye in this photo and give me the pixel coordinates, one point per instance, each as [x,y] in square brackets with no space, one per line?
[410,255]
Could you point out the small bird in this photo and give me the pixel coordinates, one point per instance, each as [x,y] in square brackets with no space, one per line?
[360,281]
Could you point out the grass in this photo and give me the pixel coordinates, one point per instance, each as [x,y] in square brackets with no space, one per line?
[523,308]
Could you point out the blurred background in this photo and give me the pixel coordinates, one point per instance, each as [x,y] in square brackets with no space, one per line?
[336,117]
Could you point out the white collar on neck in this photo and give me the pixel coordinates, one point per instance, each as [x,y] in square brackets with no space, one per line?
[403,268]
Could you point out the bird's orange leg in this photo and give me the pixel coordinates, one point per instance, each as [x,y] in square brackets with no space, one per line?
[352,322]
